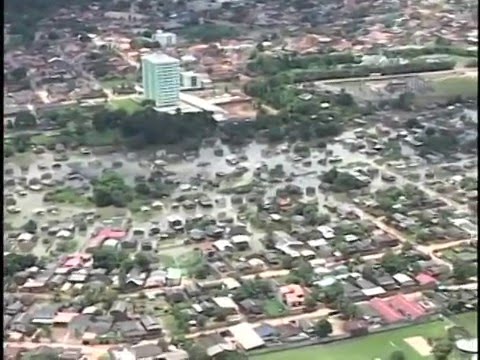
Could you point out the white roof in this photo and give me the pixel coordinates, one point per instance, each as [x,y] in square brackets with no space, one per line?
[174,273]
[468,345]
[373,291]
[89,310]
[240,238]
[275,217]
[25,237]
[350,238]
[317,262]
[197,308]
[160,58]
[324,228]
[246,336]
[326,282]
[222,244]
[110,242]
[123,354]
[201,103]
[307,252]
[256,262]
[231,283]
[317,243]
[225,302]
[401,278]
[321,270]
[173,218]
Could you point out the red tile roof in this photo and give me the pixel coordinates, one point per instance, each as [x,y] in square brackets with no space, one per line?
[386,312]
[424,279]
[105,234]
[405,306]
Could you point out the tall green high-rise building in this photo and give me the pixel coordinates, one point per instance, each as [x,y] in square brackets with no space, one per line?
[161,79]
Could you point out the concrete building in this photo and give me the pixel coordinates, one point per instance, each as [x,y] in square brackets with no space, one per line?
[165,39]
[190,80]
[161,79]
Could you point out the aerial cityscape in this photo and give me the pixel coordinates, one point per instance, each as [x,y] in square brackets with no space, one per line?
[239,179]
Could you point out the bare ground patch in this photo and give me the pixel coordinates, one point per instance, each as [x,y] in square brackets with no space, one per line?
[420,345]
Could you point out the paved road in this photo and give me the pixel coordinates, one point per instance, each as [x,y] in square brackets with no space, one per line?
[284,320]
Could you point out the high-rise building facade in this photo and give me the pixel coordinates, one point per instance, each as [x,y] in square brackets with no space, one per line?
[161,79]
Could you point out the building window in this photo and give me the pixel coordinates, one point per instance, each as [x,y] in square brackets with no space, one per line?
[194,81]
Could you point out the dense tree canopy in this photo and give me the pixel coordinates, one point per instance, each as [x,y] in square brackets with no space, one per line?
[14,263]
[323,328]
[110,190]
[149,127]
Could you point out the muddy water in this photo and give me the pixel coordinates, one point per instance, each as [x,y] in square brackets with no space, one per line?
[93,165]
[139,164]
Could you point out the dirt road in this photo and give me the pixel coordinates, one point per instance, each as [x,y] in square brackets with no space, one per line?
[279,321]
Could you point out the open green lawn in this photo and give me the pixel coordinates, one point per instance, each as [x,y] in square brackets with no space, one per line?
[452,86]
[129,105]
[186,262]
[468,321]
[378,346]
[273,307]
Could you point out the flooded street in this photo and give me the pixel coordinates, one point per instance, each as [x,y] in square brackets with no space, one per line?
[194,177]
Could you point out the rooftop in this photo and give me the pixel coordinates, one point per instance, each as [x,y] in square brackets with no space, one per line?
[160,58]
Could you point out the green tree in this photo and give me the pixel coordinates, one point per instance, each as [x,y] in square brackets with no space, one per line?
[196,352]
[18,73]
[142,261]
[394,263]
[345,99]
[397,355]
[310,303]
[462,271]
[109,259]
[14,263]
[25,120]
[333,292]
[110,189]
[442,349]
[323,328]
[201,321]
[30,226]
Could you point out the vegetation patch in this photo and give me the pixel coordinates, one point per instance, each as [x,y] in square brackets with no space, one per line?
[375,346]
[455,86]
[467,321]
[67,195]
[129,105]
[274,308]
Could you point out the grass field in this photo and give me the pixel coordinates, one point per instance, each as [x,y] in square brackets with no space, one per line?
[378,346]
[129,105]
[274,308]
[468,321]
[452,86]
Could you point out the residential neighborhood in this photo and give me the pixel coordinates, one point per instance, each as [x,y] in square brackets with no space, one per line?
[236,179]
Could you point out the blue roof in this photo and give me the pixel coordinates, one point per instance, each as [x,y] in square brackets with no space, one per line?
[266,330]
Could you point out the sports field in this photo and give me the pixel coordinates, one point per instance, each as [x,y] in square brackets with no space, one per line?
[371,347]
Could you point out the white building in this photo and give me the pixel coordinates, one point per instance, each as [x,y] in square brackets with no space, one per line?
[190,80]
[165,39]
